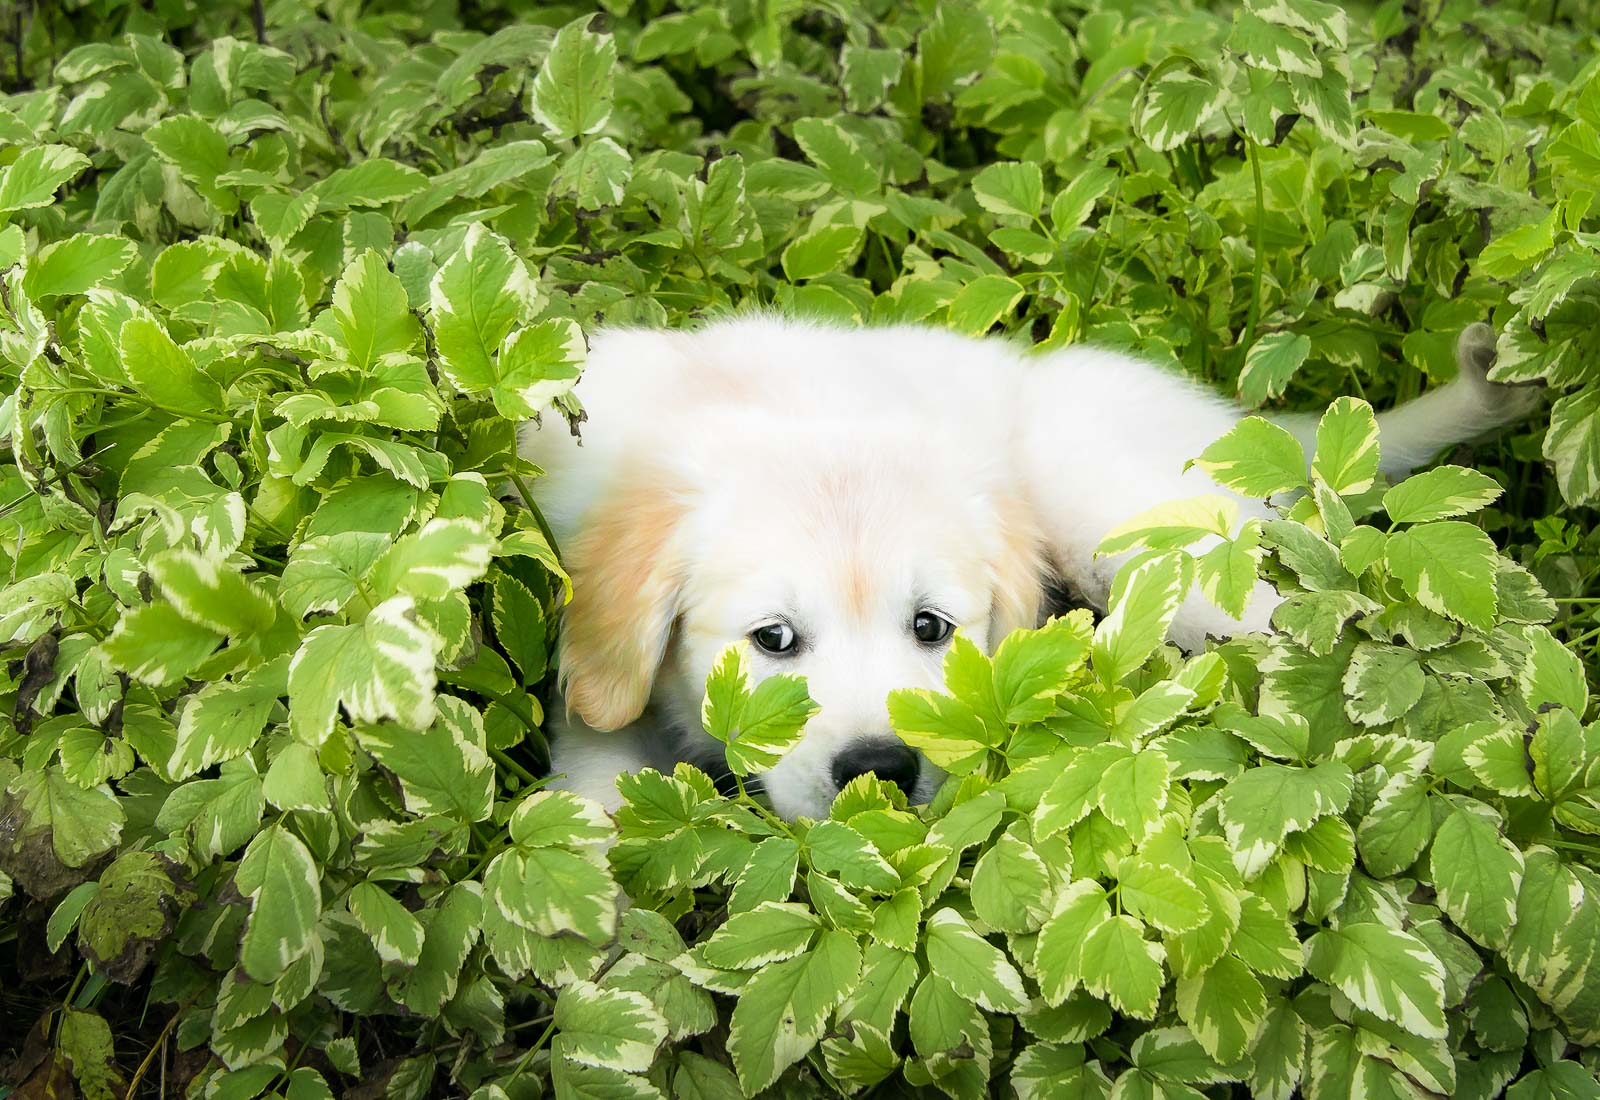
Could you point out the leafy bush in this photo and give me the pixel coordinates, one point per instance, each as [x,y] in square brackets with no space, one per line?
[275,298]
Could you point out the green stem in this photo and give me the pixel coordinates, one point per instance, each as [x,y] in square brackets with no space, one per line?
[1254,154]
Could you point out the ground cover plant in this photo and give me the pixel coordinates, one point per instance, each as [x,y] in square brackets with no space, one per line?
[278,283]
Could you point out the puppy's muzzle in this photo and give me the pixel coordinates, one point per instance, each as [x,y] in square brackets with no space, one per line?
[891,761]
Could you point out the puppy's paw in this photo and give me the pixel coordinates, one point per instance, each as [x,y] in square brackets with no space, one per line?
[1475,356]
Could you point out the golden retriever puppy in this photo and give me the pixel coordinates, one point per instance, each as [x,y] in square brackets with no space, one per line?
[846,499]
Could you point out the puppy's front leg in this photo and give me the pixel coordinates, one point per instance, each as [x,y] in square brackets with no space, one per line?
[588,762]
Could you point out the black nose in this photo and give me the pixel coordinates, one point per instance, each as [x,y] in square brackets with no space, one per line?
[891,761]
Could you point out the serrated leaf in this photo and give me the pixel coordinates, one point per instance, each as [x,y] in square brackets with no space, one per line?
[1388,972]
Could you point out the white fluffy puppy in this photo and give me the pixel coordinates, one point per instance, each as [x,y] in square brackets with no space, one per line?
[846,499]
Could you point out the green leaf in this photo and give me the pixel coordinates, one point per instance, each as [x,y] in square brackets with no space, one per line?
[477,299]
[1269,365]
[1160,895]
[975,968]
[1224,1006]
[1118,963]
[1347,447]
[211,595]
[382,668]
[1263,805]
[395,933]
[1448,567]
[32,178]
[1010,187]
[1177,98]
[571,96]
[769,933]
[1133,791]
[280,879]
[162,372]
[783,1010]
[611,1028]
[374,182]
[76,264]
[1385,971]
[1551,675]
[1256,459]
[983,302]
[1143,605]
[839,156]
[820,251]
[1440,493]
[1477,874]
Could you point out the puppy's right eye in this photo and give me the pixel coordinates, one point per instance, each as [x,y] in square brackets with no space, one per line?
[774,637]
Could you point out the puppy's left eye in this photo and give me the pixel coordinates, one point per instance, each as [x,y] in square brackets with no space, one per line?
[931,629]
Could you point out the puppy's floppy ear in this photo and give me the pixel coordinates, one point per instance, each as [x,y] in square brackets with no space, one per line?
[1016,570]
[626,576]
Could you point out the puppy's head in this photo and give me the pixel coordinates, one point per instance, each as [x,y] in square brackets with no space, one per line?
[852,570]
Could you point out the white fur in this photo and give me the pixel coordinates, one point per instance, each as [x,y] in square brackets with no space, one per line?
[845,479]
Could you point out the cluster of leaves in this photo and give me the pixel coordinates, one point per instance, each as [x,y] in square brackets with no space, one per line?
[274,300]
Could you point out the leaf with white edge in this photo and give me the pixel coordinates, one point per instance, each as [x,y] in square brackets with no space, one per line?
[1178,97]
[1080,907]
[1448,567]
[571,96]
[1031,668]
[981,304]
[551,819]
[1141,612]
[1174,525]
[840,851]
[820,251]
[1440,493]
[611,1028]
[444,768]
[1382,683]
[784,1009]
[1225,1007]
[1477,874]
[1261,807]
[977,969]
[1347,447]
[539,364]
[162,372]
[771,932]
[1388,972]
[943,729]
[1010,187]
[1269,365]
[1265,940]
[1118,963]
[1133,790]
[443,557]
[395,933]
[32,178]
[369,315]
[383,668]
[157,645]
[477,298]
[76,264]
[207,592]
[223,719]
[281,881]
[1279,1055]
[1573,445]
[1011,884]
[1160,895]
[1256,458]
[554,892]
[1552,674]
[772,722]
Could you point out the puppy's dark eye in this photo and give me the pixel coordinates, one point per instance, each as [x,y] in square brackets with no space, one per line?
[774,637]
[931,629]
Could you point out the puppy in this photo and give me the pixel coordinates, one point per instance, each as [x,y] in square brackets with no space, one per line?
[846,499]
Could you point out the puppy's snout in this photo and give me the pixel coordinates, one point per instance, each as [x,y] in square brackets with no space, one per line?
[891,761]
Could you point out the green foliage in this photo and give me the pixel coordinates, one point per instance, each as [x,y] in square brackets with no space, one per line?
[271,307]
